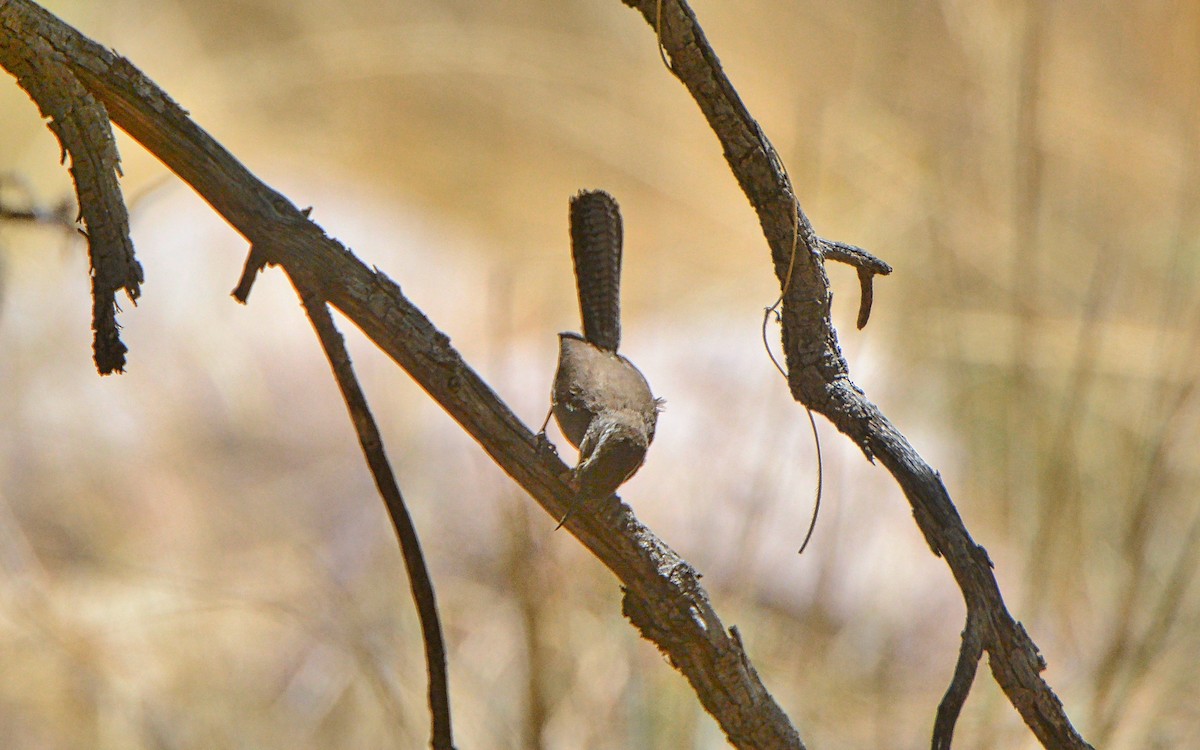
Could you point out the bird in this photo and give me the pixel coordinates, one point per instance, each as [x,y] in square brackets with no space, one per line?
[601,401]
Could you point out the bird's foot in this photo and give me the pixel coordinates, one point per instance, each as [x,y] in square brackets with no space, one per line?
[542,444]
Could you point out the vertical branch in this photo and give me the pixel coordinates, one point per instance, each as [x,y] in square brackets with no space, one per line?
[81,124]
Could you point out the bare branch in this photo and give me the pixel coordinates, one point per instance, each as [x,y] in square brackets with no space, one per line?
[81,125]
[663,597]
[819,377]
[371,441]
[662,594]
[866,264]
[952,703]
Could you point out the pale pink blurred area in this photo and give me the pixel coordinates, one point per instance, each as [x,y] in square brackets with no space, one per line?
[192,554]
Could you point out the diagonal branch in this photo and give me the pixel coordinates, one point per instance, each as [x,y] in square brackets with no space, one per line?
[662,593]
[819,377]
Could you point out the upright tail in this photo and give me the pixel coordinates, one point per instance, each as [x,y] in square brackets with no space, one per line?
[596,249]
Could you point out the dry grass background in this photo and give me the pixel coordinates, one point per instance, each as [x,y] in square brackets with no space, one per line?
[192,556]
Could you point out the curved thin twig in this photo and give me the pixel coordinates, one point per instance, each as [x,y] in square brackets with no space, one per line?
[955,698]
[371,441]
[866,264]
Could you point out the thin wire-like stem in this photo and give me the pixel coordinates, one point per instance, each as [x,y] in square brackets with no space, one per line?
[812,523]
[774,308]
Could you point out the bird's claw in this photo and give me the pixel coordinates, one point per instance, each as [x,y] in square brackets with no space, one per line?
[543,445]
[570,510]
[568,478]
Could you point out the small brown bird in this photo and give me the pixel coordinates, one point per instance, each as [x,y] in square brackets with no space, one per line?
[602,403]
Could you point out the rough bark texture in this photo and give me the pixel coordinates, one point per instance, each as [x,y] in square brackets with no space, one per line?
[662,595]
[661,589]
[82,127]
[819,378]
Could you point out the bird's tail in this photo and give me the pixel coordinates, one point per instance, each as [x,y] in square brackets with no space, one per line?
[596,249]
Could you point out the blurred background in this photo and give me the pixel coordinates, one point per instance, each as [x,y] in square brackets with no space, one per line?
[192,554]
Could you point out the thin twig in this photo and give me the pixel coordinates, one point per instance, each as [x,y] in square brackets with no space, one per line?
[385,480]
[955,698]
[866,264]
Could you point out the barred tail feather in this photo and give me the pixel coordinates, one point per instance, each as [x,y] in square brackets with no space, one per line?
[596,249]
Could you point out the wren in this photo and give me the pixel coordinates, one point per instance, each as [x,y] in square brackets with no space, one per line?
[601,401]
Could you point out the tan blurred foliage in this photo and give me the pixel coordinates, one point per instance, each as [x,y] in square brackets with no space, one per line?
[192,555]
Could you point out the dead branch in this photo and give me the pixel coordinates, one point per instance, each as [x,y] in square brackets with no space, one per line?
[82,127]
[371,442]
[819,377]
[662,593]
